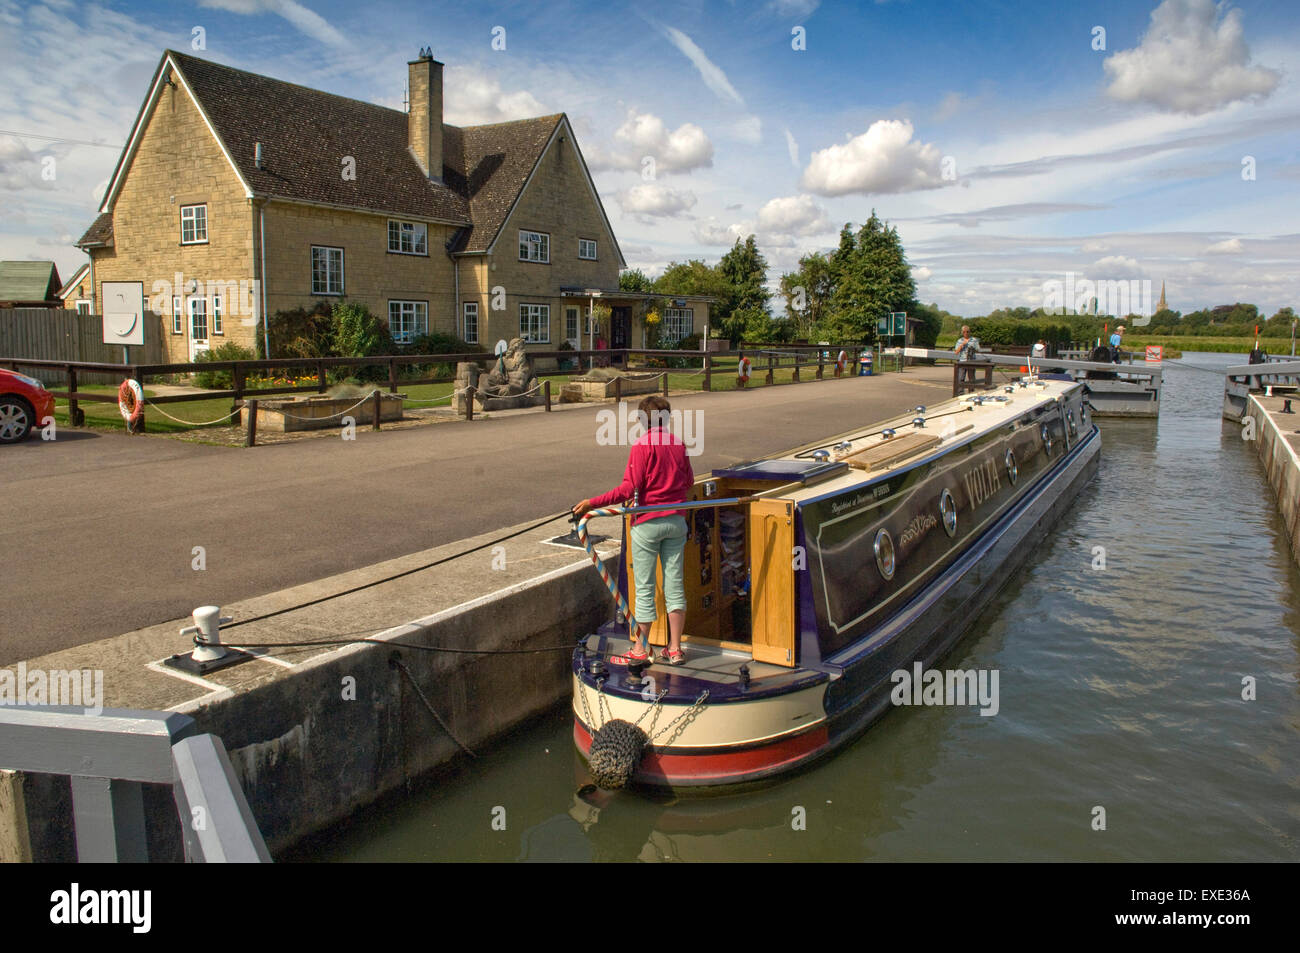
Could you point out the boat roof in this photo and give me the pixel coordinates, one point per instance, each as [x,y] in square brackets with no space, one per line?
[873,453]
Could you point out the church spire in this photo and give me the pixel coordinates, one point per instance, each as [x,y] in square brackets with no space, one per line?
[1162,306]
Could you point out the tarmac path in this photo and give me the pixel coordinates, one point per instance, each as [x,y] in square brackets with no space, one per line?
[99,529]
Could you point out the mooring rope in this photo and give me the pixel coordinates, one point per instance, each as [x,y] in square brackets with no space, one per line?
[610,582]
[397,663]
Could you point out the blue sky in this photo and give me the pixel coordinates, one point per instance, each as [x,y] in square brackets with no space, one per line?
[1005,147]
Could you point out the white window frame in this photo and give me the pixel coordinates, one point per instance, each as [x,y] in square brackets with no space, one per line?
[587,241]
[217,329]
[534,318]
[194,219]
[416,313]
[470,309]
[412,238]
[199,305]
[574,315]
[83,306]
[328,272]
[534,246]
[672,318]
[178,314]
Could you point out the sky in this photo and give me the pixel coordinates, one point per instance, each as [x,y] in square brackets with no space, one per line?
[1009,142]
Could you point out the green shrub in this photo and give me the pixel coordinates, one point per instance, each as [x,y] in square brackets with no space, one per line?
[299,332]
[219,379]
[358,333]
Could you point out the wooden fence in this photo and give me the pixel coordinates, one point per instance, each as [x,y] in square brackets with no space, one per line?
[55,334]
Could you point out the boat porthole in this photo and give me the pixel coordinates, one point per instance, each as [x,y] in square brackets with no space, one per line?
[1012,471]
[1083,415]
[1074,428]
[948,512]
[1047,439]
[885,554]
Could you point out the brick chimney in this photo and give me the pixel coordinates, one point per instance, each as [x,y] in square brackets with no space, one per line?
[424,118]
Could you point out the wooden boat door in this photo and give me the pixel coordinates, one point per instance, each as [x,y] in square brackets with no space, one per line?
[771,573]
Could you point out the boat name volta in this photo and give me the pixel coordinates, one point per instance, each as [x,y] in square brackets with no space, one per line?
[982,481]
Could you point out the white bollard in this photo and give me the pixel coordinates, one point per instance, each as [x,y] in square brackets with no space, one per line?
[207,633]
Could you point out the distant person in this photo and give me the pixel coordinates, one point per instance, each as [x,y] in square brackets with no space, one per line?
[1116,340]
[658,472]
[1258,355]
[1039,351]
[967,349]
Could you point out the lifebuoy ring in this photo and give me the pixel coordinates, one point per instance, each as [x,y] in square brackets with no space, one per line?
[130,401]
[840,363]
[742,372]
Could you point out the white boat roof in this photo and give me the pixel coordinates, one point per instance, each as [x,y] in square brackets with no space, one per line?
[954,422]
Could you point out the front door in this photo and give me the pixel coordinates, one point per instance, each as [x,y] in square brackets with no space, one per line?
[198,327]
[620,327]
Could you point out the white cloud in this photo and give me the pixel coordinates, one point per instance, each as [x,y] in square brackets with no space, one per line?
[1189,61]
[713,76]
[710,233]
[651,200]
[474,98]
[882,159]
[949,106]
[1230,246]
[921,273]
[307,21]
[793,147]
[644,134]
[1094,246]
[793,215]
[1117,266]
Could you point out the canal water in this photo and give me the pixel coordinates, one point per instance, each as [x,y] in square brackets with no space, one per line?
[1121,704]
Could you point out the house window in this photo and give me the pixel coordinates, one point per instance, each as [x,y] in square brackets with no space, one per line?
[216,315]
[198,319]
[326,270]
[194,224]
[83,307]
[470,329]
[178,312]
[534,246]
[571,324]
[535,323]
[678,323]
[586,248]
[407,320]
[408,238]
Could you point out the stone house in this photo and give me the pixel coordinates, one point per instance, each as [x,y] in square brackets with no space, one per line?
[238,195]
[75,294]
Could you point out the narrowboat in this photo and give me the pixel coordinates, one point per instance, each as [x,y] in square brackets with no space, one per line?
[812,577]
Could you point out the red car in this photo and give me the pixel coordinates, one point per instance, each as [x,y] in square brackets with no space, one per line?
[24,403]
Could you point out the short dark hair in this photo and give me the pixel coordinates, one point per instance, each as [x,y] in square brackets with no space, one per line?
[652,409]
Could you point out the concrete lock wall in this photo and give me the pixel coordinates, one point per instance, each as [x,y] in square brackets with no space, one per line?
[308,756]
[1282,467]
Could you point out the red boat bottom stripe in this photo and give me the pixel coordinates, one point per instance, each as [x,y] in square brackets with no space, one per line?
[719,766]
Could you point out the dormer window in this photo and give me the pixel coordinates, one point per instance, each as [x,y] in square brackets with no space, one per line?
[408,238]
[534,246]
[194,224]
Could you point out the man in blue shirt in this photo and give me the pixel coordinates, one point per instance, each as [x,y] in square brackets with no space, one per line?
[1116,340]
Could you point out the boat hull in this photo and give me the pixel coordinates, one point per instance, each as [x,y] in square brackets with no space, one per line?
[738,740]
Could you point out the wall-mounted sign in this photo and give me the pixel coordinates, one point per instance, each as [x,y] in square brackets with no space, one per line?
[124,312]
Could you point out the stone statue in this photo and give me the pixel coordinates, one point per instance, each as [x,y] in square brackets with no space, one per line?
[508,383]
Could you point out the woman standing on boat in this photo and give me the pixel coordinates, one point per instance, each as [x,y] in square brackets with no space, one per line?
[658,472]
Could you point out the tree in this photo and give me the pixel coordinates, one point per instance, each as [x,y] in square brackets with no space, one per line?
[872,279]
[634,279]
[744,269]
[808,292]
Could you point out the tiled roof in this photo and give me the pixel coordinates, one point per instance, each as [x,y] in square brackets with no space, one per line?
[100,231]
[28,281]
[306,133]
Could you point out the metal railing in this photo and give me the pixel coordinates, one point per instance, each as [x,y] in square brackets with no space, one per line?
[111,756]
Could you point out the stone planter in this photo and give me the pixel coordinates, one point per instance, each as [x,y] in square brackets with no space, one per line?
[320,413]
[599,385]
